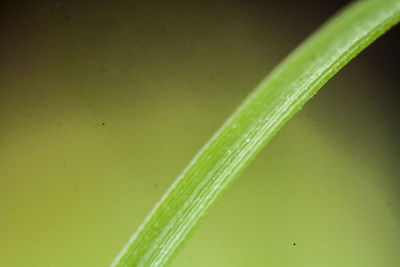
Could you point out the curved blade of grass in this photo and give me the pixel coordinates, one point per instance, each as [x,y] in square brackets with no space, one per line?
[249,129]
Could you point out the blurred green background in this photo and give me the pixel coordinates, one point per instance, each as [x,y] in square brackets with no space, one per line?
[103,103]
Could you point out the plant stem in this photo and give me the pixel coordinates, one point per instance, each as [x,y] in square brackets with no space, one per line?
[247,131]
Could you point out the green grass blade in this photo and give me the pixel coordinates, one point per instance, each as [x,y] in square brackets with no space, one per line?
[248,130]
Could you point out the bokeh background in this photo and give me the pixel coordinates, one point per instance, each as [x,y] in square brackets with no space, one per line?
[103,103]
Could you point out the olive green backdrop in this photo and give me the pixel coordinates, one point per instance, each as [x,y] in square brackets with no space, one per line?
[103,103]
